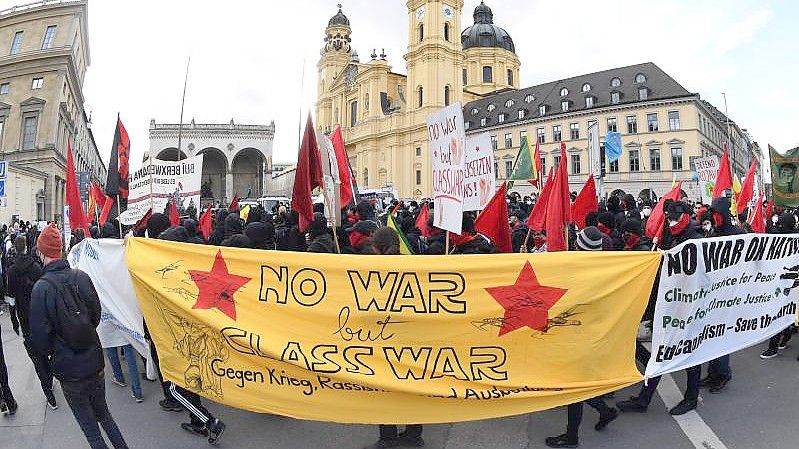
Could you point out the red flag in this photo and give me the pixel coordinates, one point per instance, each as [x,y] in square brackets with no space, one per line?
[142,223]
[307,176]
[205,223]
[77,217]
[747,188]
[493,221]
[537,216]
[174,216]
[538,167]
[655,222]
[757,222]
[344,172]
[724,177]
[558,214]
[108,203]
[234,204]
[421,221]
[585,202]
[770,209]
[118,167]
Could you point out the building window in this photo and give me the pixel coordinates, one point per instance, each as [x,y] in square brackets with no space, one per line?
[529,99]
[676,158]
[640,78]
[418,177]
[509,103]
[652,122]
[643,93]
[510,77]
[446,95]
[589,102]
[49,37]
[421,96]
[353,113]
[543,167]
[556,133]
[632,124]
[574,131]
[16,43]
[466,125]
[576,164]
[488,74]
[508,140]
[491,107]
[522,136]
[4,88]
[541,136]
[418,151]
[508,169]
[612,124]
[29,132]
[522,113]
[483,121]
[496,169]
[654,159]
[614,97]
[635,162]
[501,118]
[615,82]
[494,142]
[475,111]
[674,120]
[446,33]
[564,92]
[465,77]
[37,83]
[556,162]
[586,87]
[613,167]
[421,32]
[564,106]
[542,110]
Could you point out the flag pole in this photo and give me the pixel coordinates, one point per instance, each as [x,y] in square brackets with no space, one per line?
[302,89]
[446,244]
[119,213]
[182,105]
[729,135]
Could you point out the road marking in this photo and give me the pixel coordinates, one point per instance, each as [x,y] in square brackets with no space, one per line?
[691,423]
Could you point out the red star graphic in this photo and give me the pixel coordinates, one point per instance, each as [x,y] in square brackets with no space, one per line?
[217,287]
[526,302]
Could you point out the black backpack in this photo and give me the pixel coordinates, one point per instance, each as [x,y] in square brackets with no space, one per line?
[73,317]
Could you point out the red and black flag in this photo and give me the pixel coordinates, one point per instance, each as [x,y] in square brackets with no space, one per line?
[118,167]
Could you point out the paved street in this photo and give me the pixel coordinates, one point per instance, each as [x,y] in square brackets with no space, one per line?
[757,411]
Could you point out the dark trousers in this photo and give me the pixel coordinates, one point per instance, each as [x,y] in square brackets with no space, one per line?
[42,367]
[720,368]
[86,398]
[5,390]
[191,401]
[390,432]
[164,385]
[575,412]
[694,374]
[782,337]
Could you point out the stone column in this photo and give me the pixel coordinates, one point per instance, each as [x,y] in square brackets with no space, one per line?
[229,187]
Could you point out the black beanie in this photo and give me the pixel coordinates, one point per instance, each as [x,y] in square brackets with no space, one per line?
[157,224]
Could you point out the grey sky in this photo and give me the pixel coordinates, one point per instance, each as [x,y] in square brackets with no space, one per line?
[247,55]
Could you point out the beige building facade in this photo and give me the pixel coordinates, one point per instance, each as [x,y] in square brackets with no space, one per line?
[44,54]
[382,113]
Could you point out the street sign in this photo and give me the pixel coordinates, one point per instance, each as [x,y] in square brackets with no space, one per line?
[2,201]
[3,167]
[2,188]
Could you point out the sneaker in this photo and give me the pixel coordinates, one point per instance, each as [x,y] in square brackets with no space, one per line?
[685,406]
[720,385]
[12,407]
[138,399]
[410,441]
[606,419]
[215,428]
[196,429]
[707,382]
[633,405]
[119,382]
[170,405]
[51,402]
[562,441]
[769,353]
[3,408]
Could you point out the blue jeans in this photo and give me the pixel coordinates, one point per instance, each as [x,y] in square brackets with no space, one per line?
[720,368]
[86,398]
[133,369]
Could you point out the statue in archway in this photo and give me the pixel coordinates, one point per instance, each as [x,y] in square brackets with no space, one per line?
[206,190]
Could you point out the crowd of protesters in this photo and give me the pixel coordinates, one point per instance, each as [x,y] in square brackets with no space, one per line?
[618,225]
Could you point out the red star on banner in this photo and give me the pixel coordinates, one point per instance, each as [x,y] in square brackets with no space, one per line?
[217,287]
[526,302]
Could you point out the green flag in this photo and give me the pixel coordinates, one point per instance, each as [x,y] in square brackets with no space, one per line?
[784,177]
[525,169]
[405,247]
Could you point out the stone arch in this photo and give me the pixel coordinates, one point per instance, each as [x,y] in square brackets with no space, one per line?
[170,154]
[215,168]
[248,167]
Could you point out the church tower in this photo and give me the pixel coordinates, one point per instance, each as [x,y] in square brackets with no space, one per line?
[435,56]
[337,54]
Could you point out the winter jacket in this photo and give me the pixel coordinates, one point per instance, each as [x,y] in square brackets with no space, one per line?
[478,245]
[322,243]
[67,364]
[517,237]
[22,275]
[722,205]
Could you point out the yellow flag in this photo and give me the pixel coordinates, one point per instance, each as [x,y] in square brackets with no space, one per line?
[405,247]
[384,339]
[244,212]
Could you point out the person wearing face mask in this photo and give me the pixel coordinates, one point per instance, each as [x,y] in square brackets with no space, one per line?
[518,229]
[706,219]
[539,242]
[646,211]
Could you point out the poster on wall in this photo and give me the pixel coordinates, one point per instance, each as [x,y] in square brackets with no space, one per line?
[706,170]
[480,180]
[447,136]
[154,184]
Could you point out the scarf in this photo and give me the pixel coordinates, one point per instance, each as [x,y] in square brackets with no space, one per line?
[679,227]
[603,229]
[630,241]
[462,239]
[357,239]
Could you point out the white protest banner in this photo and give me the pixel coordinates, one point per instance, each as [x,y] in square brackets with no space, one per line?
[447,135]
[121,318]
[720,295]
[481,181]
[707,168]
[161,180]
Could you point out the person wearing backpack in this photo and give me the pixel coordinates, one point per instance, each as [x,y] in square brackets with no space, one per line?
[65,312]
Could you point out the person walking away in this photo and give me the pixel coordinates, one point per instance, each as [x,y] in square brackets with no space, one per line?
[589,239]
[65,312]
[22,275]
[8,406]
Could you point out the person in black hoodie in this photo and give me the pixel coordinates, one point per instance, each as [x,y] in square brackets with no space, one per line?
[786,224]
[79,370]
[218,234]
[261,235]
[22,275]
[191,229]
[469,241]
[289,237]
[321,241]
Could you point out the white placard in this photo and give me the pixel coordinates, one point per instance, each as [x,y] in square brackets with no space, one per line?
[720,295]
[447,135]
[481,181]
[593,150]
[165,179]
[707,168]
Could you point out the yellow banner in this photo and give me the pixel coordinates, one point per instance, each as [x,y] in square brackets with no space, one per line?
[392,339]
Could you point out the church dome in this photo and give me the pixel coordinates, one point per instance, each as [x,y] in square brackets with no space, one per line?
[484,33]
[339,19]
